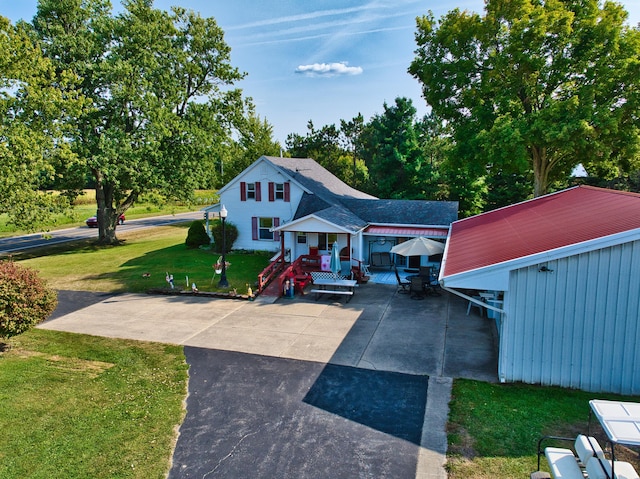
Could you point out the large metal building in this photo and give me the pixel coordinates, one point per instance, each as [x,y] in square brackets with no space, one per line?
[565,268]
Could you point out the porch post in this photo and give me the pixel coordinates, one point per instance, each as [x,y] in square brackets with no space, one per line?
[349,247]
[282,246]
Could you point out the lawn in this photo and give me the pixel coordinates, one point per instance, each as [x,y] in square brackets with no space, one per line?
[84,397]
[142,263]
[78,406]
[84,206]
[494,428]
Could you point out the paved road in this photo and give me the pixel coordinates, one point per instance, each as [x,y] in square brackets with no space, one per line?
[17,244]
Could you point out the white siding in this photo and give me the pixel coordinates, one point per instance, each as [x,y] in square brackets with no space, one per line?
[577,326]
[241,212]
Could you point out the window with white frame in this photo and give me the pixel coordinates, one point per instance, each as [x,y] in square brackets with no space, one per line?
[251,191]
[302,237]
[326,240]
[264,225]
[279,191]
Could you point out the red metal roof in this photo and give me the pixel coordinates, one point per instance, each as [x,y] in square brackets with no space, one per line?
[407,231]
[548,222]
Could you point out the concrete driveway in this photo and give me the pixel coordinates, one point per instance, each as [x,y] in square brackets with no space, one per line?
[304,388]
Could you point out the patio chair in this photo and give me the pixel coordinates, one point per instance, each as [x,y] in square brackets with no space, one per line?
[402,284]
[416,289]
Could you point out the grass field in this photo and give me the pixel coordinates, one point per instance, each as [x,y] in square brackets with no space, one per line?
[85,206]
[75,406]
[142,263]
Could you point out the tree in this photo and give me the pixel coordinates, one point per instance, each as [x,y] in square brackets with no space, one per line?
[25,300]
[33,123]
[255,140]
[542,84]
[392,152]
[161,102]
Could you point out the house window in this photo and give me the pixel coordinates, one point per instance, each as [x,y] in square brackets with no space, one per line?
[251,191]
[264,224]
[302,238]
[326,240]
[279,191]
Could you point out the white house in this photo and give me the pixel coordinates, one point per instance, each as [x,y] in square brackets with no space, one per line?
[567,266]
[296,206]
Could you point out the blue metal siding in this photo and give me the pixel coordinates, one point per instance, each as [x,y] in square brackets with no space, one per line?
[577,326]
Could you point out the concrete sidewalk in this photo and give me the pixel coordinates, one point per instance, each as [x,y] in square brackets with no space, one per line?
[379,330]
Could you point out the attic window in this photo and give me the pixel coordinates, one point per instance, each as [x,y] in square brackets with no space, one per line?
[279,191]
[251,191]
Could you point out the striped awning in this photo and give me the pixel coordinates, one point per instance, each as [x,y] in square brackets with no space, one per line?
[407,231]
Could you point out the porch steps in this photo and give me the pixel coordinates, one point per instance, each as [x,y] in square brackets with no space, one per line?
[272,290]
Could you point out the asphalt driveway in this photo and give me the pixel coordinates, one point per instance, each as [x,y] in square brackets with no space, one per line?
[304,388]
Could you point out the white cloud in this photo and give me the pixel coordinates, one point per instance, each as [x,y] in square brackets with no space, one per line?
[328,69]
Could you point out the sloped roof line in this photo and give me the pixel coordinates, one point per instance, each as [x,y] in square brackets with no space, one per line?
[568,217]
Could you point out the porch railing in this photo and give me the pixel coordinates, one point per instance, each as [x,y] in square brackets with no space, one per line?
[301,265]
[270,272]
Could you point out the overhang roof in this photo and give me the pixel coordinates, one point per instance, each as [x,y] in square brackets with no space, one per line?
[406,231]
[558,220]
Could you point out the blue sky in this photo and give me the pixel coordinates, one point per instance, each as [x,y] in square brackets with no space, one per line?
[320,61]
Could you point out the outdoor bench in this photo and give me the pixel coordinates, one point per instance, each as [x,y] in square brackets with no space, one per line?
[564,463]
[588,461]
[331,291]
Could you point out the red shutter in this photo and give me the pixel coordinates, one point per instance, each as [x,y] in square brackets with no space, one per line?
[258,195]
[243,191]
[276,234]
[287,192]
[272,193]
[254,227]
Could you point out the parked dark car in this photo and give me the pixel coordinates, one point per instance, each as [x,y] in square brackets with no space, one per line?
[93,221]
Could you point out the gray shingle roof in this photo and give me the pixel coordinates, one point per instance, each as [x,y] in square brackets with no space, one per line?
[336,202]
[316,178]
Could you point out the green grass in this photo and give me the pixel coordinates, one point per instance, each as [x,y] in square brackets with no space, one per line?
[494,428]
[85,206]
[85,266]
[77,406]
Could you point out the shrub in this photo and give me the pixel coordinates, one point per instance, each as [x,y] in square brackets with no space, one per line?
[197,235]
[231,234]
[25,300]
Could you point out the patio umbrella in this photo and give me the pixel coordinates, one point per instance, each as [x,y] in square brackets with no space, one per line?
[419,246]
[334,264]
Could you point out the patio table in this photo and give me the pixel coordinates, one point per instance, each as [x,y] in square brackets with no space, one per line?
[335,287]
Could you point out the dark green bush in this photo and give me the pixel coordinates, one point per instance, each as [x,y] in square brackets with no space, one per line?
[231,234]
[25,300]
[197,235]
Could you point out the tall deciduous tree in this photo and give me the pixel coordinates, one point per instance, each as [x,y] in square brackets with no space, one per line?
[162,102]
[34,110]
[255,139]
[546,84]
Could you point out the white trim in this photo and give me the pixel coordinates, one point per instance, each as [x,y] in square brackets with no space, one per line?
[496,276]
[291,226]
[254,165]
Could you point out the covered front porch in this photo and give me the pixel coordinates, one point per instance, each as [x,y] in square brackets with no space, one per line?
[306,245]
